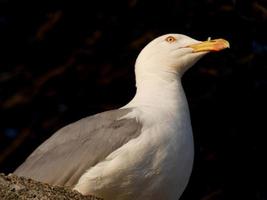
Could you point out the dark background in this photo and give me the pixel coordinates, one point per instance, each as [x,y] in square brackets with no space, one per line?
[64,60]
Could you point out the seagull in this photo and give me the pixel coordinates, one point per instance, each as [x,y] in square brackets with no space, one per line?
[143,150]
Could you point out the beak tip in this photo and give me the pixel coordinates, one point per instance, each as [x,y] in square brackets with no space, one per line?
[227,45]
[222,44]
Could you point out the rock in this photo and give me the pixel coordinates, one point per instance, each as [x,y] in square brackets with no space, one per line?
[13,187]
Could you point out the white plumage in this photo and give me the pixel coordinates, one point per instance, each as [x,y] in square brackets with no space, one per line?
[146,147]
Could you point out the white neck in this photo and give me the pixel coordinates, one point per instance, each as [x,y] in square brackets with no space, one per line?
[160,96]
[153,90]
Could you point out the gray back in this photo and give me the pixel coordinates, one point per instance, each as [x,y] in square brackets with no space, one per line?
[66,155]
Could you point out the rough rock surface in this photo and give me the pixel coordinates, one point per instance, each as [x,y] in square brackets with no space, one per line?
[13,187]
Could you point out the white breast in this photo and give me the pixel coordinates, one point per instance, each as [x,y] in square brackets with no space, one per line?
[157,164]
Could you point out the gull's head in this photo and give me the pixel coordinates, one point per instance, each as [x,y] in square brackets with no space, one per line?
[174,53]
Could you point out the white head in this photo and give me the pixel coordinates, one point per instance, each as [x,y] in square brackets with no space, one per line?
[173,54]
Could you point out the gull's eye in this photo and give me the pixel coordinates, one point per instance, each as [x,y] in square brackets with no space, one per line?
[170,39]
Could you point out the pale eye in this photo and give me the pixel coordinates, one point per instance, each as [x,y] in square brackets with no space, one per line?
[170,39]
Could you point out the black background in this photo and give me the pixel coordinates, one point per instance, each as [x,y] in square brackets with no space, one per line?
[64,60]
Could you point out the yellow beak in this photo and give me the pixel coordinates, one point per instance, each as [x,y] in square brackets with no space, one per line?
[210,45]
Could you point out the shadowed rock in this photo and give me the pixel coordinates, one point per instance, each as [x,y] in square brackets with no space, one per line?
[13,187]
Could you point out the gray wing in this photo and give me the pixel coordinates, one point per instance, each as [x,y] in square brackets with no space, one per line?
[66,155]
